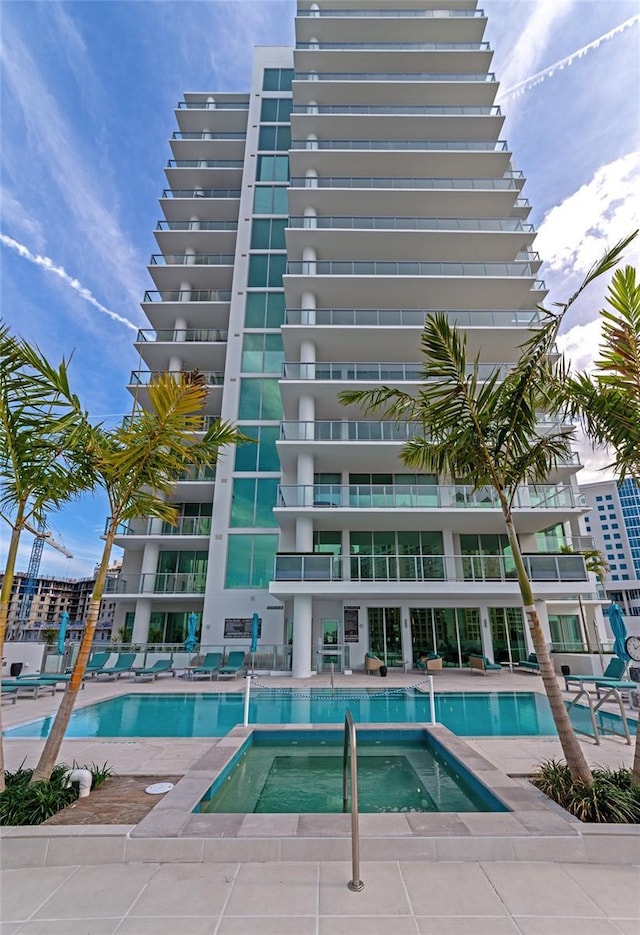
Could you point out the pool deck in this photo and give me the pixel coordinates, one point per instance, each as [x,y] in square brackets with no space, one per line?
[534,870]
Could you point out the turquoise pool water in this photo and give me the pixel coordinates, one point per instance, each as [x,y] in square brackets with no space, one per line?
[301,771]
[499,714]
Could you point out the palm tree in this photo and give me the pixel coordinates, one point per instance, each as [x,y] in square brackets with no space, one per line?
[40,423]
[138,464]
[487,432]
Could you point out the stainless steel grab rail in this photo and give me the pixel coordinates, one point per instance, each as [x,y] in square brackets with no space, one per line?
[355,884]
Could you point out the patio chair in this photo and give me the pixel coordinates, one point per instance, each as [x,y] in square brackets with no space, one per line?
[151,673]
[9,694]
[613,673]
[54,677]
[123,664]
[207,668]
[431,662]
[97,662]
[530,664]
[482,664]
[233,665]
[372,663]
[33,685]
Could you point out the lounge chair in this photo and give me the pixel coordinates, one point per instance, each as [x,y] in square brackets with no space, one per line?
[54,677]
[372,663]
[151,673]
[482,664]
[33,685]
[431,662]
[95,664]
[210,666]
[613,673]
[123,664]
[530,664]
[9,694]
[233,665]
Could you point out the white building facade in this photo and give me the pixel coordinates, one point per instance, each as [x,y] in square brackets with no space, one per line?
[308,227]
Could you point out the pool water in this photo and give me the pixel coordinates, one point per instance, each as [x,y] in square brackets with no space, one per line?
[484,714]
[305,775]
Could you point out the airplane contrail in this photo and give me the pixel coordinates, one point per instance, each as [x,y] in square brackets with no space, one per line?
[566,62]
[46,263]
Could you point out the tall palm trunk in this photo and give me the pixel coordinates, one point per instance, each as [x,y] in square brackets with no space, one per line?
[571,748]
[5,597]
[53,742]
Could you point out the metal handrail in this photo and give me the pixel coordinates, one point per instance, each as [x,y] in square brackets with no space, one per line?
[355,883]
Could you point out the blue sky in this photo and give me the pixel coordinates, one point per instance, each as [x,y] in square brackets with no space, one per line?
[88,91]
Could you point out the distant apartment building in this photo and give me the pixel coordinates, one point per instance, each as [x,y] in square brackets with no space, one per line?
[614,522]
[309,226]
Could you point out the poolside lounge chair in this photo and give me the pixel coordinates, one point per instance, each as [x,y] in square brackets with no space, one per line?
[482,664]
[122,665]
[151,673]
[95,664]
[431,662]
[9,694]
[530,664]
[210,666]
[372,663]
[613,673]
[233,665]
[33,685]
[54,677]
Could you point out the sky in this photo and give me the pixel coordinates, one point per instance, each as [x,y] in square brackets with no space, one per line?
[87,98]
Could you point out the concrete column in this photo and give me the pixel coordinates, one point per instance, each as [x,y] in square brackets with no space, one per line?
[304,479]
[448,544]
[309,260]
[175,364]
[308,308]
[189,256]
[149,565]
[184,292]
[194,223]
[180,329]
[141,620]
[302,619]
[304,534]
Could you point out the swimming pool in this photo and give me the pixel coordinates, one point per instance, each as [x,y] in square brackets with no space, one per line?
[468,714]
[301,771]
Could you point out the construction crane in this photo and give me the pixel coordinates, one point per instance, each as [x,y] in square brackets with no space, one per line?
[30,582]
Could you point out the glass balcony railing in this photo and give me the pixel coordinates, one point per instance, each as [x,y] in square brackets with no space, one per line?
[501,225]
[386,76]
[213,105]
[425,110]
[205,164]
[498,146]
[144,377]
[186,526]
[195,474]
[395,14]
[188,295]
[160,583]
[375,46]
[201,193]
[207,135]
[406,268]
[197,225]
[192,259]
[421,496]
[339,431]
[502,184]
[367,372]
[173,335]
[425,568]
[410,317]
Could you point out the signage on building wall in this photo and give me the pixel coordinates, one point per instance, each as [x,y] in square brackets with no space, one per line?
[239,628]
[351,616]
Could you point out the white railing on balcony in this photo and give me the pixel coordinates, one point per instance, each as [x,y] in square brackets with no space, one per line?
[174,335]
[410,317]
[197,225]
[421,496]
[502,225]
[188,295]
[185,526]
[416,184]
[425,110]
[375,46]
[192,259]
[425,568]
[498,146]
[367,372]
[488,77]
[339,431]
[201,193]
[409,268]
[143,377]
[160,583]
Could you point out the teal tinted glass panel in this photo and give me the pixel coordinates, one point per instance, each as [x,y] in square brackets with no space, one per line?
[264,553]
[275,309]
[280,201]
[277,79]
[264,310]
[269,110]
[239,556]
[262,456]
[258,269]
[260,399]
[277,268]
[252,353]
[260,235]
[273,169]
[266,495]
[268,200]
[242,507]
[273,353]
[275,138]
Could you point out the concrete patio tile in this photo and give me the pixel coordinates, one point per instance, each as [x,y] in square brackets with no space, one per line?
[544,925]
[626,926]
[324,825]
[488,823]
[97,892]
[367,925]
[201,889]
[160,824]
[613,848]
[158,850]
[615,889]
[384,825]
[313,849]
[81,850]
[168,925]
[436,823]
[23,852]
[265,889]
[462,925]
[263,825]
[383,893]
[71,927]
[220,850]
[546,848]
[274,925]
[23,893]
[211,825]
[450,889]
[474,848]
[521,884]
[9,928]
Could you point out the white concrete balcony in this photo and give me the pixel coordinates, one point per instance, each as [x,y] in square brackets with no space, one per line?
[140,379]
[224,118]
[208,204]
[208,145]
[204,173]
[376,24]
[176,584]
[395,88]
[198,348]
[200,307]
[187,533]
[397,121]
[393,56]
[182,236]
[200,270]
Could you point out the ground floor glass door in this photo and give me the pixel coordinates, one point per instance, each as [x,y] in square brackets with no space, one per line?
[452,632]
[385,634]
[507,634]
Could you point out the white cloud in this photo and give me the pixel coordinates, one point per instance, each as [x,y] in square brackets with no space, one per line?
[576,232]
[16,216]
[47,264]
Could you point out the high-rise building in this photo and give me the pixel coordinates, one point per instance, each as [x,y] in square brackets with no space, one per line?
[308,227]
[614,522]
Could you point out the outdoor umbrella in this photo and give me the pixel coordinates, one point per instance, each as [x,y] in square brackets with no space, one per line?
[619,630]
[192,625]
[255,627]
[62,631]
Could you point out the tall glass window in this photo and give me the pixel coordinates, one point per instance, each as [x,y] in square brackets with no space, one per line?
[269,199]
[264,310]
[277,79]
[259,399]
[268,234]
[262,353]
[250,560]
[253,500]
[261,456]
[267,269]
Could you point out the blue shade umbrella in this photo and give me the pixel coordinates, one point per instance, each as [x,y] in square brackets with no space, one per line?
[192,626]
[619,630]
[255,627]
[62,631]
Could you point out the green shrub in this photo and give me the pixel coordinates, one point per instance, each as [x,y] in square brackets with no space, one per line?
[22,804]
[611,798]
